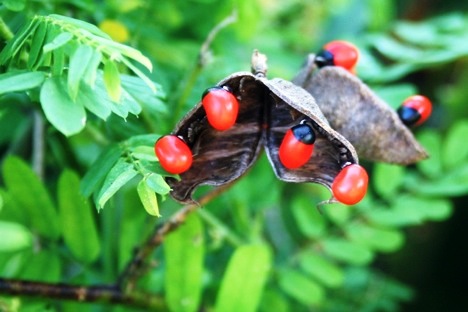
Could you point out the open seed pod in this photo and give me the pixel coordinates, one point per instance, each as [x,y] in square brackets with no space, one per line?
[267,110]
[352,109]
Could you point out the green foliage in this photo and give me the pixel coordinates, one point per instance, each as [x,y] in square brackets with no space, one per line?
[238,290]
[31,196]
[68,54]
[79,115]
[82,238]
[185,251]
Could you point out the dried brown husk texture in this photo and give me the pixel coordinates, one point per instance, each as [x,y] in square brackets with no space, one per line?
[267,109]
[352,109]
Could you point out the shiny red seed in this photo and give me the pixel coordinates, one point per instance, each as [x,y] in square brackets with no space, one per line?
[345,54]
[297,146]
[419,103]
[173,154]
[350,185]
[221,107]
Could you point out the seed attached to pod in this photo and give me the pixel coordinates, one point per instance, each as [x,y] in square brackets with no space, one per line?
[297,146]
[174,155]
[350,185]
[338,53]
[415,110]
[221,107]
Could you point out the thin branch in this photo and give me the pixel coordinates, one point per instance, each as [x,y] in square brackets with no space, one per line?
[204,55]
[5,31]
[38,144]
[98,293]
[137,266]
[203,58]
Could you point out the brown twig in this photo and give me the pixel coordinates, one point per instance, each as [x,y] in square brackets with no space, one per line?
[204,57]
[138,264]
[38,144]
[123,290]
[98,293]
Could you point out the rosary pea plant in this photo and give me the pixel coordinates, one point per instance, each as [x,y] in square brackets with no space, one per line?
[85,217]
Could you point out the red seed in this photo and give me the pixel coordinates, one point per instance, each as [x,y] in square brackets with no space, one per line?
[350,185]
[345,54]
[422,105]
[297,146]
[173,154]
[221,108]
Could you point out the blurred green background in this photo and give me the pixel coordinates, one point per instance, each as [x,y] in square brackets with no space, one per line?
[402,249]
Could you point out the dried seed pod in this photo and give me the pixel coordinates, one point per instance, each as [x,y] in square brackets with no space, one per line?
[267,110]
[352,109]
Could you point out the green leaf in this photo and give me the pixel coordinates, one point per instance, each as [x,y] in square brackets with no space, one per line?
[14,5]
[452,183]
[92,102]
[58,62]
[120,109]
[324,270]
[300,287]
[32,196]
[432,141]
[394,95]
[143,95]
[338,213]
[346,251]
[79,24]
[91,70]
[112,80]
[140,74]
[76,217]
[274,298]
[237,292]
[384,240]
[397,216]
[44,260]
[14,236]
[143,139]
[426,208]
[148,198]
[67,116]
[35,54]
[387,179]
[184,252]
[144,152]
[438,209]
[58,42]
[15,44]
[118,176]
[99,170]
[453,152]
[130,103]
[157,183]
[78,65]
[308,219]
[20,81]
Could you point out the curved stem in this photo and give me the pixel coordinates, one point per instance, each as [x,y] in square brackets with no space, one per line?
[137,266]
[5,31]
[203,57]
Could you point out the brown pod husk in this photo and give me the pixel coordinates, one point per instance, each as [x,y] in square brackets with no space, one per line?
[267,109]
[352,109]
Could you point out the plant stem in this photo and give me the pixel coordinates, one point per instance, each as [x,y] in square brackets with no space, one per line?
[38,144]
[5,31]
[220,227]
[138,264]
[203,58]
[98,293]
